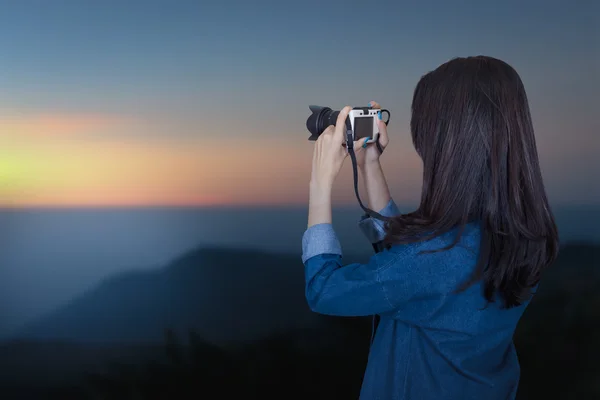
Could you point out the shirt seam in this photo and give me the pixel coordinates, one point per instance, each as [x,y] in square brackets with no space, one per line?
[388,264]
[378,271]
[383,289]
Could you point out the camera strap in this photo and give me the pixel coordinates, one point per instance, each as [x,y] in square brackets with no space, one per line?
[376,246]
[350,148]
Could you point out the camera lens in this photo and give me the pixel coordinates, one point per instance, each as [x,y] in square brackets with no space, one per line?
[319,120]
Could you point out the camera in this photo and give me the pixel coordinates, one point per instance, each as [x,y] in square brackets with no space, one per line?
[362,121]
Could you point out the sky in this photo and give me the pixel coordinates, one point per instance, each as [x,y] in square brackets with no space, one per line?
[146,103]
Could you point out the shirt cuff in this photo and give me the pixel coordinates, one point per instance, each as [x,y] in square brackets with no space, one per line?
[390,210]
[374,229]
[320,239]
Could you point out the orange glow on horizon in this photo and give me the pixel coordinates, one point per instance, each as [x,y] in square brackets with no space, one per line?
[78,170]
[53,125]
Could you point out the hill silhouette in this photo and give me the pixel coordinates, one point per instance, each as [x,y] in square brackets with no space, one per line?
[222,294]
[557,339]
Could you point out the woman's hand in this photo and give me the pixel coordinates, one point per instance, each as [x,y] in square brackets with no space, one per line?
[329,153]
[328,157]
[366,151]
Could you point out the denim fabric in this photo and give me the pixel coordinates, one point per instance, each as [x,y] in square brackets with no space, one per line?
[373,228]
[431,343]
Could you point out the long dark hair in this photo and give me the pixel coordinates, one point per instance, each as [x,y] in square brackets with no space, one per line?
[471,126]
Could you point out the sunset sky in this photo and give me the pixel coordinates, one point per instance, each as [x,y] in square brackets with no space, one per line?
[138,103]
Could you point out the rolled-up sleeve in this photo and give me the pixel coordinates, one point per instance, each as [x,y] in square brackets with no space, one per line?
[336,289]
[374,229]
[351,290]
[320,239]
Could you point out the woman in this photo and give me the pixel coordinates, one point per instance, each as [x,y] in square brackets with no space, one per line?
[457,273]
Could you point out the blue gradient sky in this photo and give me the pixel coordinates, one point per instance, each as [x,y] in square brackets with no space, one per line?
[189,102]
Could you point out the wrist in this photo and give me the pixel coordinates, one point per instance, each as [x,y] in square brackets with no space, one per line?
[319,193]
[319,190]
[319,205]
[371,165]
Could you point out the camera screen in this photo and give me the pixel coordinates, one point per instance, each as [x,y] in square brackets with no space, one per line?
[363,127]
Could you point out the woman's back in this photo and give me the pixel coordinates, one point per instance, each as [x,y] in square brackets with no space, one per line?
[432,342]
[438,344]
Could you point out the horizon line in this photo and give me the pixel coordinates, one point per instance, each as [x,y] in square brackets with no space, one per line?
[57,207]
[344,205]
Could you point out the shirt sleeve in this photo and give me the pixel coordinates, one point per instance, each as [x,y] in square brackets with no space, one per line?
[334,289]
[374,229]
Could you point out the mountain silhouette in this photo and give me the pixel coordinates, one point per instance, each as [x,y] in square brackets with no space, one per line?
[223,294]
[232,294]
[556,340]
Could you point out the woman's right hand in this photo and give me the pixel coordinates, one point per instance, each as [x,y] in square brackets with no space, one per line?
[365,149]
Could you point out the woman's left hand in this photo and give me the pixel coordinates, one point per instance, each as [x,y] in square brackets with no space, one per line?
[329,153]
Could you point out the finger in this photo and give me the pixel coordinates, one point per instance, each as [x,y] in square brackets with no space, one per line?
[374,104]
[383,134]
[314,157]
[329,130]
[358,144]
[340,125]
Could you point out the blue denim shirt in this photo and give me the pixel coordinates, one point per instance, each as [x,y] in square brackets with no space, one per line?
[430,343]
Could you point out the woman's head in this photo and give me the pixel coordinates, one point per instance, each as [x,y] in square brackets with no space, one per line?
[472,128]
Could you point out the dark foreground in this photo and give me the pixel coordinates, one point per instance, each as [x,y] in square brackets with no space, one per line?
[558,342]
